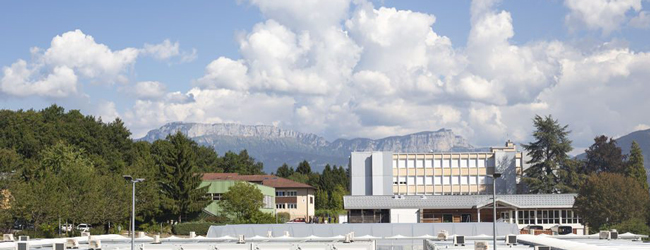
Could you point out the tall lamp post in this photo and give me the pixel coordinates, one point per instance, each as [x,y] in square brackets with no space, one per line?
[133,182]
[495,176]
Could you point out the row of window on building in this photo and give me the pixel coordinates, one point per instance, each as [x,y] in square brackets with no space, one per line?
[286,193]
[286,205]
[441,180]
[444,163]
[531,217]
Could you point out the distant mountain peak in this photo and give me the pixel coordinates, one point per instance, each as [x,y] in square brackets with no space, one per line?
[274,145]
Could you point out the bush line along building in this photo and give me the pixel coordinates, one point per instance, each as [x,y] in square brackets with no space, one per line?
[389,187]
[280,195]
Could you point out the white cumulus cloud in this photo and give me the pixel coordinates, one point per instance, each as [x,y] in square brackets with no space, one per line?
[604,15]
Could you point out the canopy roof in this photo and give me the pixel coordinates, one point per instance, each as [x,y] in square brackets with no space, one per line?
[519,201]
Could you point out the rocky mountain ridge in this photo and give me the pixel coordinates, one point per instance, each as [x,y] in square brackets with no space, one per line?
[273,145]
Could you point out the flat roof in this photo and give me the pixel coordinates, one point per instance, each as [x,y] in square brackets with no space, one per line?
[521,201]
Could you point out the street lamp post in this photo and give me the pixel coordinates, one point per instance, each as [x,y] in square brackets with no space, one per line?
[495,176]
[133,182]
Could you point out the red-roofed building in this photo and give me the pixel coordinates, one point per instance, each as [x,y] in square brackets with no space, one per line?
[294,198]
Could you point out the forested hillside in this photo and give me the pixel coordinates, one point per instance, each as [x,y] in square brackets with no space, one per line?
[65,166]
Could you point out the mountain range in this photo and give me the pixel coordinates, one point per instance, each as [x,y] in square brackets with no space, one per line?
[274,146]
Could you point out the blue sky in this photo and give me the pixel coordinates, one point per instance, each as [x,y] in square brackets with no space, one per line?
[335,68]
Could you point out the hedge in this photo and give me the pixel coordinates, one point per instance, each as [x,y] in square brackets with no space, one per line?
[201,228]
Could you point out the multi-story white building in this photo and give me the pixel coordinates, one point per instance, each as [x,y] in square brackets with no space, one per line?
[451,187]
[385,173]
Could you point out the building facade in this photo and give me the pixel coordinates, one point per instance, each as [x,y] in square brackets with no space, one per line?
[387,173]
[216,188]
[452,187]
[293,198]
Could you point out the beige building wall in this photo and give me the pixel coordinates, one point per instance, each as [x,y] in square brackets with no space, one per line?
[304,202]
[446,173]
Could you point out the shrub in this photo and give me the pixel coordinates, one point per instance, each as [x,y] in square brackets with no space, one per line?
[636,226]
[283,217]
[200,227]
[217,219]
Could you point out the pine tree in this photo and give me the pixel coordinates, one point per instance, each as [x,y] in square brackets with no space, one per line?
[180,178]
[284,171]
[547,153]
[304,168]
[604,156]
[634,166]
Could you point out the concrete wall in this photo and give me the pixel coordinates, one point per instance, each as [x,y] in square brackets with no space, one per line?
[404,216]
[505,163]
[371,173]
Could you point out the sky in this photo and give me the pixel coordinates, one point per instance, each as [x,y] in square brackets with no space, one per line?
[336,68]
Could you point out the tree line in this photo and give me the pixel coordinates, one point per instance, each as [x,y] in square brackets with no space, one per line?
[64,166]
[612,187]
[331,185]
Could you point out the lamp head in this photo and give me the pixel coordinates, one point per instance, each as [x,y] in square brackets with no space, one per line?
[127,177]
[496,175]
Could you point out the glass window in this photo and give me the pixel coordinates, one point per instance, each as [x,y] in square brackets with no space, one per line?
[481,163]
[463,179]
[481,180]
[429,180]
[437,163]
[394,180]
[447,218]
[292,205]
[472,179]
[446,180]
[463,163]
[401,164]
[280,206]
[445,163]
[410,163]
[279,193]
[419,163]
[402,180]
[428,163]
[410,180]
[454,180]
[454,163]
[394,163]
[311,200]
[472,163]
[437,180]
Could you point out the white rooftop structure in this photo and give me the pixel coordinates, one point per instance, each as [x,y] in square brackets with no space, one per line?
[457,201]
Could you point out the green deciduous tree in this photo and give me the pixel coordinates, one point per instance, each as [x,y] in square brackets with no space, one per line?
[322,199]
[547,153]
[336,198]
[243,201]
[606,199]
[179,176]
[634,166]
